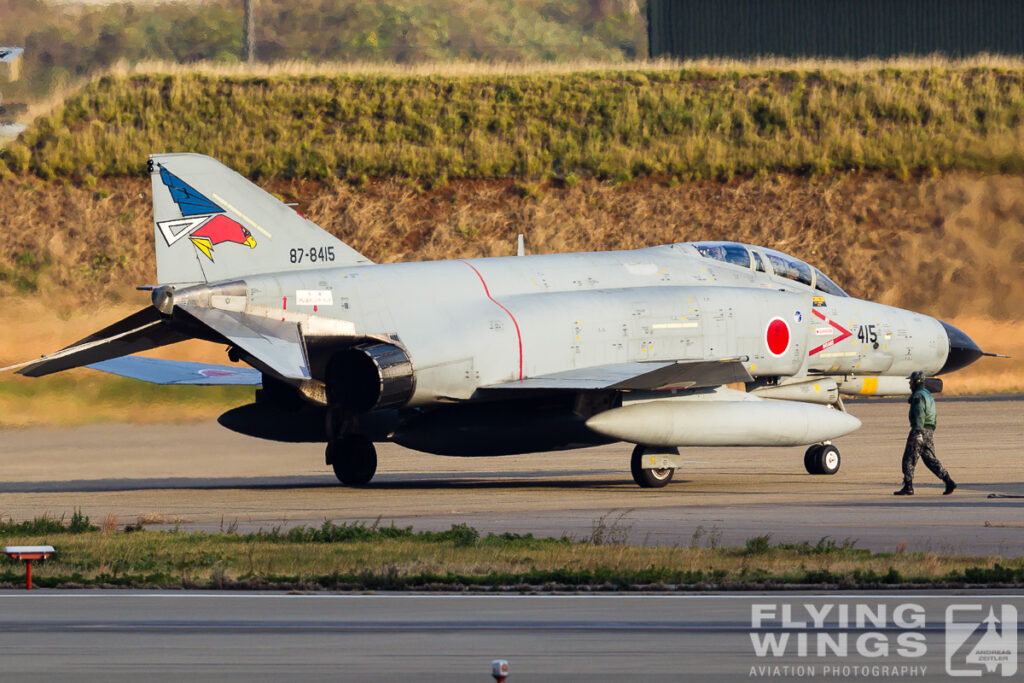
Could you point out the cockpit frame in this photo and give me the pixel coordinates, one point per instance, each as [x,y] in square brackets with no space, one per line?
[774,263]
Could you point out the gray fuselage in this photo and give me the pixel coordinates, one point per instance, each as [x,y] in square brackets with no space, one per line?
[477,322]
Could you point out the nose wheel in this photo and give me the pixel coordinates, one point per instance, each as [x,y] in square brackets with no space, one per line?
[822,459]
[650,478]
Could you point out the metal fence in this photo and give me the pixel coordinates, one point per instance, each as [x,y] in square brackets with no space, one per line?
[834,28]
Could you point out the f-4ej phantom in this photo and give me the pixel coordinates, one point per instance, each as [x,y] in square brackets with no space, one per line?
[497,356]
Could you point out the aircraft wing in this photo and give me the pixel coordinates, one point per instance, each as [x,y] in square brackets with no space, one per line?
[160,371]
[640,376]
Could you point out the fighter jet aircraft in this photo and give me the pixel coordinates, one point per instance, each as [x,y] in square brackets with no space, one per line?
[497,356]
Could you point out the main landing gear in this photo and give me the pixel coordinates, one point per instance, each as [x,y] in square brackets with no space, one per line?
[351,454]
[652,477]
[353,458]
[822,459]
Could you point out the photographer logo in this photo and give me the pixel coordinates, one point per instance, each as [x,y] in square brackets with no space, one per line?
[980,641]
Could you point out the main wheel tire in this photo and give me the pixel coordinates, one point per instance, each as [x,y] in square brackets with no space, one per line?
[648,479]
[827,460]
[811,459]
[353,458]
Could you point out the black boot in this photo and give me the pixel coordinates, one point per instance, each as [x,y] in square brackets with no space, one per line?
[950,487]
[907,490]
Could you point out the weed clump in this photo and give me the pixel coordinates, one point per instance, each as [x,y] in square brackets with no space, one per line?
[329,532]
[42,526]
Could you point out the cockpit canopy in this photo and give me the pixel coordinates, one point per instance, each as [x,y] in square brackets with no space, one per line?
[768,261]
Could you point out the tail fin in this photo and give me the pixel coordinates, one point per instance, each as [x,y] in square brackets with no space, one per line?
[213,224]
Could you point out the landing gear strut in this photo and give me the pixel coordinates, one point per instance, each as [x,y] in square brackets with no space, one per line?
[353,458]
[648,478]
[351,454]
[822,459]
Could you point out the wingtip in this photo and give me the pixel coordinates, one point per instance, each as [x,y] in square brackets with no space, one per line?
[20,367]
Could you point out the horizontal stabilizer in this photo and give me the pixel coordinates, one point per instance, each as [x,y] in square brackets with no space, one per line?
[160,371]
[274,344]
[140,331]
[640,376]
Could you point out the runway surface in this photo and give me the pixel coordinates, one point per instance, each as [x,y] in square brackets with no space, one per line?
[226,637]
[201,476]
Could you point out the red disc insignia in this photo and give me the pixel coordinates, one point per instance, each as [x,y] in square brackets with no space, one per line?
[776,336]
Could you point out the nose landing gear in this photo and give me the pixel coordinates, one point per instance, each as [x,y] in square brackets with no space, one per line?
[822,459]
[652,477]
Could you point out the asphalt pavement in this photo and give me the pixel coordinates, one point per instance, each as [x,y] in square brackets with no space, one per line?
[114,636]
[201,476]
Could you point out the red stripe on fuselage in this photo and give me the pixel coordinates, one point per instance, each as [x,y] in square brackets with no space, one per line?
[519,336]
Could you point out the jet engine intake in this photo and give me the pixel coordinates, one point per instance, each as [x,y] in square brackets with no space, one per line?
[370,376]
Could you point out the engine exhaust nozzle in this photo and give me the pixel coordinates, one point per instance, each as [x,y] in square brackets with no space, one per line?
[163,299]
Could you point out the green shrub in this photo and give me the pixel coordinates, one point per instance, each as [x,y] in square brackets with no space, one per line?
[41,526]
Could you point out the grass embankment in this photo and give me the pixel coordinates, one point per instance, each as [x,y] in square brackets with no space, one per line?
[690,121]
[362,557]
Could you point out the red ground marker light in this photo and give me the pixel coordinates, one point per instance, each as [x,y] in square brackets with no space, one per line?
[28,553]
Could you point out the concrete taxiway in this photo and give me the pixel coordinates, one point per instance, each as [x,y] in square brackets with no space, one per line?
[203,477]
[102,635]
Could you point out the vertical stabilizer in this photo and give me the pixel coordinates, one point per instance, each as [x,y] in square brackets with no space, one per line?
[213,224]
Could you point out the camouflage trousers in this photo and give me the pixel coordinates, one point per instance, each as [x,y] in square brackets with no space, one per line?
[925,449]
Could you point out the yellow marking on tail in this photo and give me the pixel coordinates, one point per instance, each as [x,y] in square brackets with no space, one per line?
[204,245]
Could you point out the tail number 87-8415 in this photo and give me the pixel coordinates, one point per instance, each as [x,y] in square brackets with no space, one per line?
[312,255]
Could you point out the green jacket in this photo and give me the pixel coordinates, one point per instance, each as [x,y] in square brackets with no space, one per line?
[922,409]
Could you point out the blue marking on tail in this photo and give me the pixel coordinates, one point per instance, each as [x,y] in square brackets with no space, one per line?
[190,202]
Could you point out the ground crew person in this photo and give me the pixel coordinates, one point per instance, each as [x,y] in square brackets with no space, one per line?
[919,441]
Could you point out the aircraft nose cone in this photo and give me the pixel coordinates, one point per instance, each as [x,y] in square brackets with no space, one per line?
[962,350]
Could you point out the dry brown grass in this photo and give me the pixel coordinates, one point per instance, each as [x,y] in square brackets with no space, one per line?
[991,375]
[947,246]
[159,518]
[80,397]
[478,68]
[110,523]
